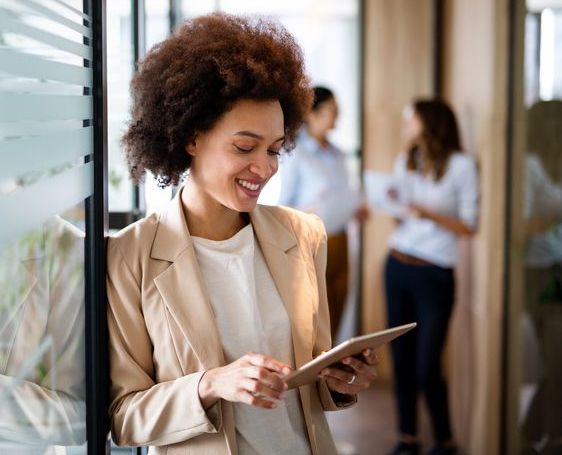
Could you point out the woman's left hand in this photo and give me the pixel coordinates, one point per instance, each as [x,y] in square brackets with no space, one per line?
[356,375]
[417,211]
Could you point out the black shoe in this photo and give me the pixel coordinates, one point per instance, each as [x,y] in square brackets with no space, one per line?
[444,450]
[403,448]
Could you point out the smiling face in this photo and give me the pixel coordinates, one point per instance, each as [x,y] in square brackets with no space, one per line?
[232,162]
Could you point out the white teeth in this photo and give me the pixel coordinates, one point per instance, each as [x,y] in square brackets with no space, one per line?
[250,186]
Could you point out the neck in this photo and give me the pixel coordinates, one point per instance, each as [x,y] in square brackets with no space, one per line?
[207,218]
[320,136]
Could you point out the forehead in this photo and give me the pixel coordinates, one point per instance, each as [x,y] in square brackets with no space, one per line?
[264,118]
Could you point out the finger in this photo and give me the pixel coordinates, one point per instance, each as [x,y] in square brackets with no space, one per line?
[270,363]
[365,372]
[260,389]
[253,400]
[358,365]
[339,374]
[371,356]
[362,369]
[272,380]
[343,387]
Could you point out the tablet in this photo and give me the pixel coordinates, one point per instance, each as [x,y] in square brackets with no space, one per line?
[354,346]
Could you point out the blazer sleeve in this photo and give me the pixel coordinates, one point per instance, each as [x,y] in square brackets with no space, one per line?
[331,401]
[142,411]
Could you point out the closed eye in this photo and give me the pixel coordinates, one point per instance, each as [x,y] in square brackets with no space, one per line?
[243,149]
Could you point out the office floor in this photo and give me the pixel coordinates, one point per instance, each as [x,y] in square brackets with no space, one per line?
[369,427]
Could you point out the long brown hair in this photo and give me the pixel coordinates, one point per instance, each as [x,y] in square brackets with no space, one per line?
[439,139]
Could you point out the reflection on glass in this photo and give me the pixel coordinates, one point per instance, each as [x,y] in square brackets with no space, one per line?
[45,112]
[540,406]
[42,382]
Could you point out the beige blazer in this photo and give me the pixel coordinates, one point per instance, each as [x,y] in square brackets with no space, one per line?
[163,333]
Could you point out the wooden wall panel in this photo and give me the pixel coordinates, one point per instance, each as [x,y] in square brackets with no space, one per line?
[475,82]
[398,67]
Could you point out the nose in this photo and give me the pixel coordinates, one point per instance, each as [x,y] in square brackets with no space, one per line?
[263,165]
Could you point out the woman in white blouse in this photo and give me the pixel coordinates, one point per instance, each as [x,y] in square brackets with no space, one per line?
[442,185]
[215,300]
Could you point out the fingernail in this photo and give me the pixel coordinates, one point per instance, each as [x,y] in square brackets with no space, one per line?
[346,361]
[368,352]
[286,370]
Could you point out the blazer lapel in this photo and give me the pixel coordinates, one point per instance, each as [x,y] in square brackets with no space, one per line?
[182,287]
[289,271]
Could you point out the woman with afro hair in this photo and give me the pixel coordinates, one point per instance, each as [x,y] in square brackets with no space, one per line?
[215,300]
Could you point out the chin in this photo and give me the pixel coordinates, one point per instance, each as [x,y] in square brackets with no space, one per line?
[244,207]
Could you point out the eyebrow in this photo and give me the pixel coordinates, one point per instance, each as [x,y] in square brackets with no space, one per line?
[255,136]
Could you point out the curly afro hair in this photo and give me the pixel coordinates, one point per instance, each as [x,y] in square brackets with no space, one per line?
[187,82]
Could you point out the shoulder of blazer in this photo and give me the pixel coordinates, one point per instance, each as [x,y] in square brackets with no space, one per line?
[133,242]
[303,225]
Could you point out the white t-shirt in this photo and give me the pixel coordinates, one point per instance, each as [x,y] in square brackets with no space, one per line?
[456,194]
[251,317]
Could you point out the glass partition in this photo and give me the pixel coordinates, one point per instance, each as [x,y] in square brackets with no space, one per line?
[46,174]
[534,400]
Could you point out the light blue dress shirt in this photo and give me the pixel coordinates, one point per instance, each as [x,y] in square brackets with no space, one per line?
[312,175]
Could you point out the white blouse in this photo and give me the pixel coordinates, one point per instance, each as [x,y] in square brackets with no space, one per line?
[456,194]
[251,317]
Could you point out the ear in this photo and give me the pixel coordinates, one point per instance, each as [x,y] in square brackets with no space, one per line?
[191,146]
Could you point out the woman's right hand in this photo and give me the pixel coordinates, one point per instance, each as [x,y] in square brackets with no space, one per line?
[254,379]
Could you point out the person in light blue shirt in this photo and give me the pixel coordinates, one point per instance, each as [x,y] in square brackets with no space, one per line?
[314,179]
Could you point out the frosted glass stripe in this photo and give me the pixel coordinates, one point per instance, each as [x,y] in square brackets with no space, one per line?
[27,208]
[74,10]
[41,153]
[20,129]
[27,65]
[39,87]
[85,31]
[16,107]
[10,25]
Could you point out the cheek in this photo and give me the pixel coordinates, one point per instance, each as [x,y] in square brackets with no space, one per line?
[274,166]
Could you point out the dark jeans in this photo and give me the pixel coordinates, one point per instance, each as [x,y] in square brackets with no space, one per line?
[424,294]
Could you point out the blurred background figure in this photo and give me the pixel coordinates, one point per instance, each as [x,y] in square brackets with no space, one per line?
[419,280]
[540,401]
[314,179]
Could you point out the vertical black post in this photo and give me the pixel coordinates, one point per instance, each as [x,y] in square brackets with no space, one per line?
[97,376]
[138,29]
[438,43]
[512,14]
[362,37]
[139,49]
[174,14]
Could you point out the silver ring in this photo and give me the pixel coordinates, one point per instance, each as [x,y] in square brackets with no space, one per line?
[352,380]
